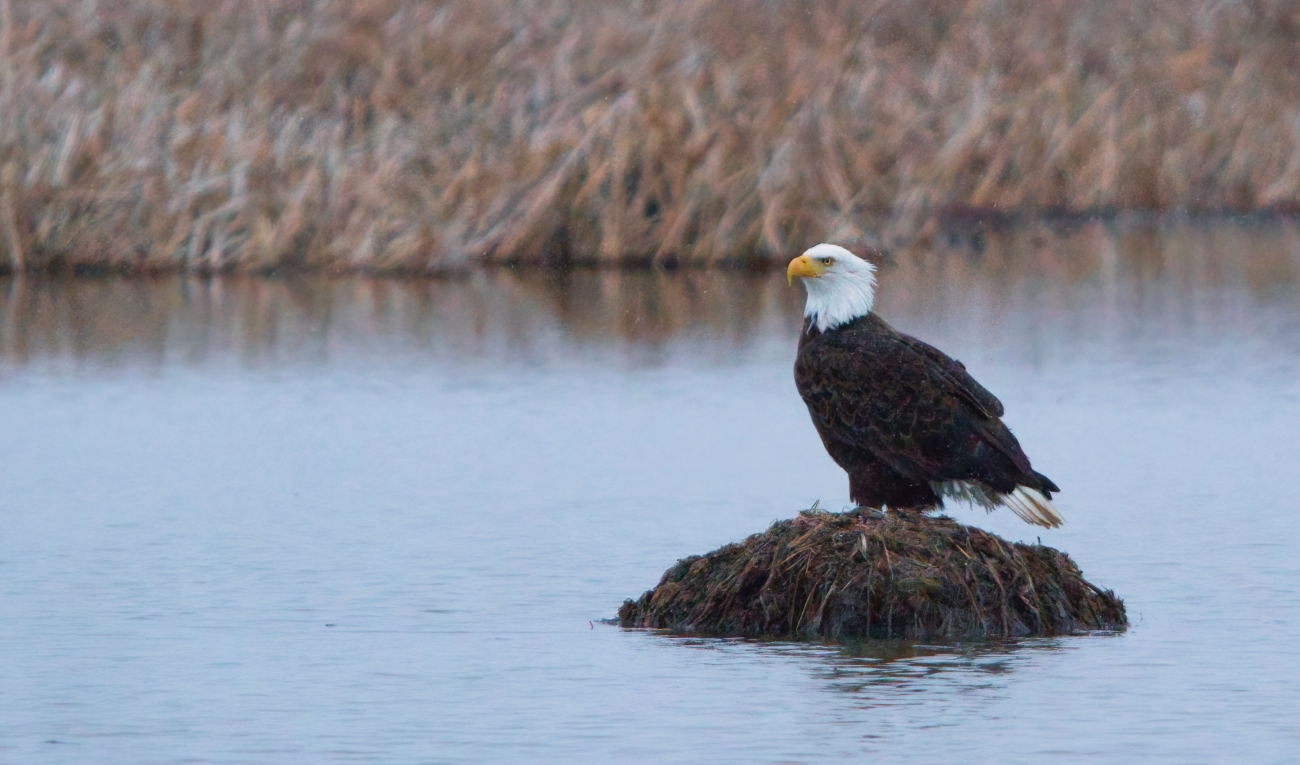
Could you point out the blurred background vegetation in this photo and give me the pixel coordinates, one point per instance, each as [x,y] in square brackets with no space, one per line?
[423,137]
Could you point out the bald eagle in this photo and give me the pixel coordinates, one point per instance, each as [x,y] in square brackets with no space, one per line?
[907,423]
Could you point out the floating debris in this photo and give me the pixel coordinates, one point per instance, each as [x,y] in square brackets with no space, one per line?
[850,577]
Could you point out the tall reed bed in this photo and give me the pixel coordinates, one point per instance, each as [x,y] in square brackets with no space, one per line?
[395,135]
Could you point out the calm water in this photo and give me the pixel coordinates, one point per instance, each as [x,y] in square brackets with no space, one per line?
[359,521]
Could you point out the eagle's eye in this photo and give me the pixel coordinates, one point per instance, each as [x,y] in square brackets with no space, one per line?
[827,261]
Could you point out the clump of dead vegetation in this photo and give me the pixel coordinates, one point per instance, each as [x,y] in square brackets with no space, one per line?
[850,577]
[420,136]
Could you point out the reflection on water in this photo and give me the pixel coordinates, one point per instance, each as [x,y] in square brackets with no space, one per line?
[889,672]
[1192,274]
[324,520]
[314,319]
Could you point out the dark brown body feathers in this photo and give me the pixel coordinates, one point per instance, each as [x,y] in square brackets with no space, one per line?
[898,415]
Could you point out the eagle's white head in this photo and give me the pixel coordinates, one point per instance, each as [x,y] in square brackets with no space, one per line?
[841,286]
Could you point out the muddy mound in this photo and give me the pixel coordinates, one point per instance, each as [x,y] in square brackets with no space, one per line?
[849,577]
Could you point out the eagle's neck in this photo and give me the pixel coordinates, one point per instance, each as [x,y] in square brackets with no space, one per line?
[839,299]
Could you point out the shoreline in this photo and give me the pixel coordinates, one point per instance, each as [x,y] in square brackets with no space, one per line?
[961,228]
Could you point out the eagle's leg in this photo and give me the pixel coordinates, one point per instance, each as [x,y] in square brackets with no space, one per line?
[875,485]
[865,486]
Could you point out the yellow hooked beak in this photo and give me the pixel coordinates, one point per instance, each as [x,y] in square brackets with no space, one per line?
[803,266]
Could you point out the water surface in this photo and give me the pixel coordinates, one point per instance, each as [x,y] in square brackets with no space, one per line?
[350,520]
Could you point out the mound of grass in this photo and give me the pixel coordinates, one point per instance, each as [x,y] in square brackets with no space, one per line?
[850,577]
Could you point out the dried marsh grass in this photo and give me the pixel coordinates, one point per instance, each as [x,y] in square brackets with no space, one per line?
[850,577]
[394,135]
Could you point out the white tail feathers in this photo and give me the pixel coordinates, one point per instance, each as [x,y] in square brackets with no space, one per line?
[1032,507]
[968,491]
[1029,504]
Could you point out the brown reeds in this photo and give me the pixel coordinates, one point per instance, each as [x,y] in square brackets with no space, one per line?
[423,136]
[852,577]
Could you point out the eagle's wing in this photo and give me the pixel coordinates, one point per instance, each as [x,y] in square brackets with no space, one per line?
[867,389]
[909,404]
[960,383]
[958,379]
